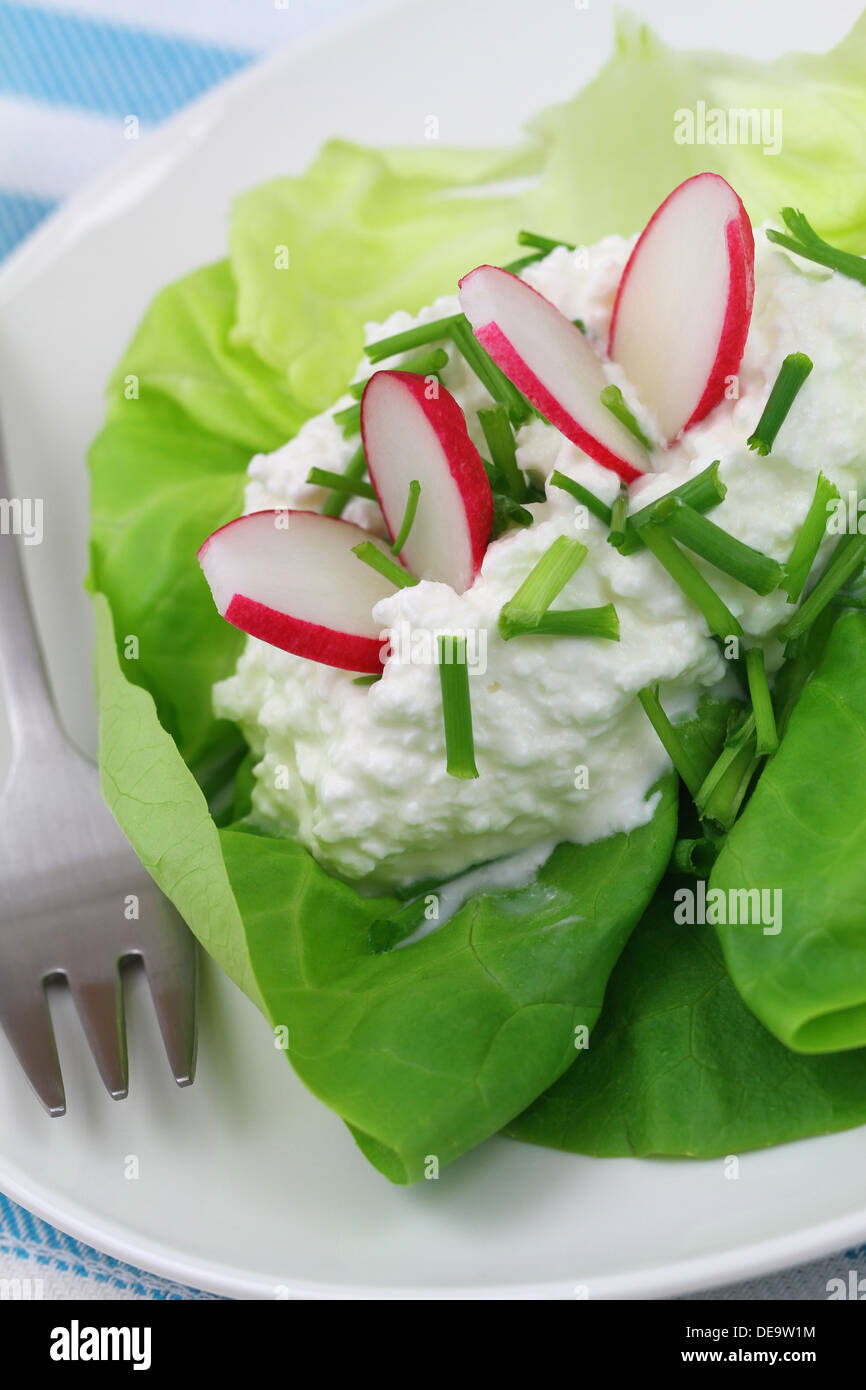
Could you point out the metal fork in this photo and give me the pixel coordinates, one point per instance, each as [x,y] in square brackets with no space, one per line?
[75,903]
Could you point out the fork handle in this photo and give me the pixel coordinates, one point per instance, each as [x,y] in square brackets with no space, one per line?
[23,681]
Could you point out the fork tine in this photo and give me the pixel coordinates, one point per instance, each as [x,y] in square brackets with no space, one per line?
[172,972]
[100,1008]
[26,1022]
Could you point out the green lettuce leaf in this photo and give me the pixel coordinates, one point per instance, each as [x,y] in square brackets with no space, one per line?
[678,1065]
[424,1051]
[362,233]
[158,804]
[613,181]
[803,835]
[186,412]
[230,361]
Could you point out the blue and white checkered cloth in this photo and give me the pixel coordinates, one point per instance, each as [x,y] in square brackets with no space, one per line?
[71,71]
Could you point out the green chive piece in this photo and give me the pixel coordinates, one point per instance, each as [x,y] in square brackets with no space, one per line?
[378,560]
[762,702]
[566,622]
[670,739]
[366,680]
[340,482]
[355,468]
[408,517]
[792,373]
[583,495]
[490,376]
[806,242]
[722,791]
[614,401]
[618,513]
[500,441]
[427,364]
[411,338]
[703,492]
[543,243]
[696,857]
[702,536]
[547,578]
[802,557]
[506,511]
[720,620]
[515,267]
[350,418]
[456,708]
[847,558]
[579,323]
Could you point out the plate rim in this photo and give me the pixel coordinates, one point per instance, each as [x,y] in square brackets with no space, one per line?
[66,225]
[701,1272]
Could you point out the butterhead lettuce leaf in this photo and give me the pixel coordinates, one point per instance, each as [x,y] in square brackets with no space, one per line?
[426,1049]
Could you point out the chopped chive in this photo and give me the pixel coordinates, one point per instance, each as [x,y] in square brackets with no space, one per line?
[792,373]
[515,267]
[408,517]
[808,542]
[614,401]
[762,702]
[719,618]
[547,578]
[543,243]
[506,510]
[696,857]
[355,468]
[340,482]
[618,511]
[490,376]
[702,536]
[456,708]
[565,622]
[427,364]
[721,793]
[806,242]
[411,338]
[670,739]
[349,418]
[848,557]
[703,492]
[378,560]
[500,441]
[579,323]
[582,494]
[366,680]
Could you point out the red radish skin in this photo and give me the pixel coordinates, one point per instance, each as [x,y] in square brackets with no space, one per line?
[451,530]
[493,340]
[305,560]
[566,385]
[740,244]
[301,638]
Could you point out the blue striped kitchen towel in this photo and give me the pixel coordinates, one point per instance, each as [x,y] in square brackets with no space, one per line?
[72,71]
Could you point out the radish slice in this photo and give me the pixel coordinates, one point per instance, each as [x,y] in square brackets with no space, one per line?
[682,312]
[290,579]
[411,432]
[552,363]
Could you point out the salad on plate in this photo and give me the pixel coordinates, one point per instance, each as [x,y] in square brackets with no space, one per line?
[507,742]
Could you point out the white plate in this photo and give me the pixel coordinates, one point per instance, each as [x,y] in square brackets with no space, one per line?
[247,1185]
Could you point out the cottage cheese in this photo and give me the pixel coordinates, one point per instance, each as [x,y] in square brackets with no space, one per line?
[563,747]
